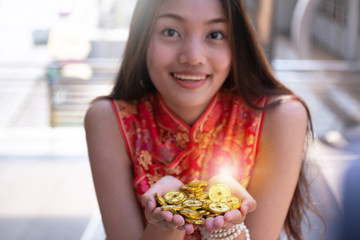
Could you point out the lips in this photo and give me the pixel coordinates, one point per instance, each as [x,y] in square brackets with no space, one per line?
[190,77]
[190,80]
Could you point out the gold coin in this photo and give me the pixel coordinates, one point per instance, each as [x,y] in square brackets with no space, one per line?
[206,203]
[195,190]
[193,203]
[190,190]
[205,213]
[198,183]
[184,187]
[190,213]
[219,191]
[219,207]
[160,200]
[172,208]
[212,215]
[202,211]
[178,207]
[232,201]
[174,197]
[195,221]
[203,195]
[191,196]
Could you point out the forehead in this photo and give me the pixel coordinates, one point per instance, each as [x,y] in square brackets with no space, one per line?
[195,9]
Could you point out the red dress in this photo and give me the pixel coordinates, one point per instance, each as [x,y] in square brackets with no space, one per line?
[223,140]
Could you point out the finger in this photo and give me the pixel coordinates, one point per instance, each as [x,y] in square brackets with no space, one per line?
[233,216]
[178,220]
[165,222]
[209,225]
[248,203]
[149,211]
[180,228]
[146,198]
[157,213]
[167,215]
[168,225]
[150,206]
[247,206]
[189,228]
[218,222]
[153,216]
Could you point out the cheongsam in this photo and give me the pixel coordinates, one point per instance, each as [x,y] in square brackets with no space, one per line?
[224,140]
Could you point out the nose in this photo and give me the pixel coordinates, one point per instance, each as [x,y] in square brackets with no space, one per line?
[192,52]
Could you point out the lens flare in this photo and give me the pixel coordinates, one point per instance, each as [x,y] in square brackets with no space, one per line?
[227,171]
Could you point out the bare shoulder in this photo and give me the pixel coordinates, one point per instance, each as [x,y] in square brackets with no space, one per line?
[291,113]
[102,128]
[99,110]
[284,125]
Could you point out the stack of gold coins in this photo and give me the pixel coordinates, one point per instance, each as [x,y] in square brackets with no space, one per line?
[195,203]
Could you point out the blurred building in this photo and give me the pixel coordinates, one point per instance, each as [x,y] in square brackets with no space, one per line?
[334,25]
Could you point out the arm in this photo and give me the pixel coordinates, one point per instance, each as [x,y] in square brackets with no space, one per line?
[277,168]
[112,176]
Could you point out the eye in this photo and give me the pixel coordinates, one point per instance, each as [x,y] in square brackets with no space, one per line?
[216,35]
[169,32]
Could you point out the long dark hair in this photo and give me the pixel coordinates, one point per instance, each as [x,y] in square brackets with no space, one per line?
[250,77]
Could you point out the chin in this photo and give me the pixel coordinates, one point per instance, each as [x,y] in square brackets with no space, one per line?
[195,103]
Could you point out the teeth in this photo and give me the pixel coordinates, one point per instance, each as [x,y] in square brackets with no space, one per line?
[187,77]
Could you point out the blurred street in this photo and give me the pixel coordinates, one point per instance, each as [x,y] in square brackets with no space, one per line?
[46,189]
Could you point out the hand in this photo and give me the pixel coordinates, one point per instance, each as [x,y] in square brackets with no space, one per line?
[155,215]
[236,216]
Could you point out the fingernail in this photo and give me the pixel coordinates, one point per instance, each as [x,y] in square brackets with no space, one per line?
[246,208]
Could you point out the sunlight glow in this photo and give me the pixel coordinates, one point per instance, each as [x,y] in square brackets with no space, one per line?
[227,171]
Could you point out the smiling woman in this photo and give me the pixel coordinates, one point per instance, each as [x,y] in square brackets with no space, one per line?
[189,57]
[189,103]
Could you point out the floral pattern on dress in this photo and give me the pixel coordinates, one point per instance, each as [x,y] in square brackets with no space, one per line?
[222,141]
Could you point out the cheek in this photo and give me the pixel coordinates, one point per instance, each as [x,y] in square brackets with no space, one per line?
[158,57]
[150,57]
[158,49]
[223,61]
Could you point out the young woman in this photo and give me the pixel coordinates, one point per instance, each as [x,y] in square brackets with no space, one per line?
[196,99]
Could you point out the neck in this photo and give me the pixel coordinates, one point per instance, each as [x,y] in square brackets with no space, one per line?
[189,115]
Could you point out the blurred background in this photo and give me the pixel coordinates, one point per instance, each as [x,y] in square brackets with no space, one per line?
[57,55]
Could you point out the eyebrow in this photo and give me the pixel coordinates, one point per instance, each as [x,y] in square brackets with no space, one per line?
[181,19]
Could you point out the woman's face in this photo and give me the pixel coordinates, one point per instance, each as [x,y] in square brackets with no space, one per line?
[189,57]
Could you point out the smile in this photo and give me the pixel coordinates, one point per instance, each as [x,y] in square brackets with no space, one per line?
[190,77]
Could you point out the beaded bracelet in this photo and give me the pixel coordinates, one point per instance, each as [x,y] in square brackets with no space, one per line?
[226,234]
